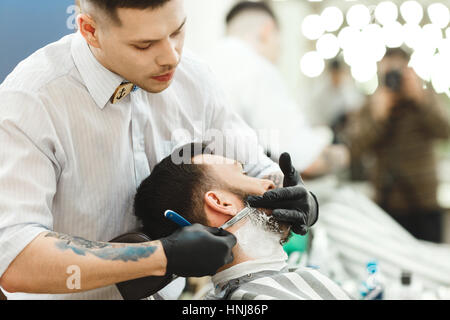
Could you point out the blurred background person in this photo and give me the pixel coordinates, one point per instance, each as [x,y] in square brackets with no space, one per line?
[335,97]
[245,62]
[399,126]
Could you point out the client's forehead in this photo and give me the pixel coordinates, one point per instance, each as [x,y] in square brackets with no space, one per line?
[211,159]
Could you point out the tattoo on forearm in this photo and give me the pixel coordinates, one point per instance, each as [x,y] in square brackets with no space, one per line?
[103,250]
[277,179]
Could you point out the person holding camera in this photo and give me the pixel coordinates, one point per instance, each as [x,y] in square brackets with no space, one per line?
[399,126]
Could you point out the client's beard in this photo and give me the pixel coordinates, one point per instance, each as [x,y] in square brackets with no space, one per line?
[262,237]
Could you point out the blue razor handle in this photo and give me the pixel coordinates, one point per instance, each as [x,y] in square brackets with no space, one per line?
[178,219]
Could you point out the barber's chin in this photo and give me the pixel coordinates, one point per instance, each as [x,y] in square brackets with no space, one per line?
[155,87]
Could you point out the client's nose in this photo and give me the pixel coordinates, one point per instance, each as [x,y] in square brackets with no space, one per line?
[268,185]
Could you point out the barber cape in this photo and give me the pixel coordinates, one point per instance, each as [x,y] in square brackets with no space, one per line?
[269,279]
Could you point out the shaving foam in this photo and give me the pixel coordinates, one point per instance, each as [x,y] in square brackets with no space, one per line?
[260,236]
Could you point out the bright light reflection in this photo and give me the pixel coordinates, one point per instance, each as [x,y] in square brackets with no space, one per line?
[439,14]
[393,35]
[358,16]
[312,64]
[412,34]
[312,27]
[386,12]
[412,12]
[332,18]
[328,46]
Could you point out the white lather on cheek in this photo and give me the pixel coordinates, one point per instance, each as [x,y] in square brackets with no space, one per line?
[257,239]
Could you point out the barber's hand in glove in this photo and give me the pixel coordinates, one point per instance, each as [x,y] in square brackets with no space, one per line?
[198,251]
[292,204]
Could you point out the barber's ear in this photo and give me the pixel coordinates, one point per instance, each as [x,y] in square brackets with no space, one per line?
[88,29]
[219,203]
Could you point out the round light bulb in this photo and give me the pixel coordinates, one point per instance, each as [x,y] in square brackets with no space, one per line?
[421,62]
[313,27]
[412,33]
[439,14]
[373,41]
[393,35]
[328,46]
[347,36]
[440,73]
[312,64]
[412,12]
[364,71]
[430,37]
[332,18]
[386,12]
[358,16]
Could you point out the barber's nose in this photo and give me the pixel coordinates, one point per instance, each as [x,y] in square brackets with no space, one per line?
[169,55]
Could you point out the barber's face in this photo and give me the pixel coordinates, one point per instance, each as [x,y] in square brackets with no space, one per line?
[147,47]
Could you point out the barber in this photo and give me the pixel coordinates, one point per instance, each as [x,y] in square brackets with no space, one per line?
[81,122]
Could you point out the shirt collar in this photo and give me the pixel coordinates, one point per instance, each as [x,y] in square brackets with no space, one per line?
[247,268]
[100,82]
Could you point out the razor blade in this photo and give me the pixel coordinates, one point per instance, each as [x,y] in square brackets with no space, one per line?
[241,215]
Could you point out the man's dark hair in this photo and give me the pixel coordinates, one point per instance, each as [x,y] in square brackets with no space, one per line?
[110,6]
[247,6]
[177,187]
[397,52]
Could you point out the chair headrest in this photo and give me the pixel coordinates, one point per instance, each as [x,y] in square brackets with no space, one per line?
[144,287]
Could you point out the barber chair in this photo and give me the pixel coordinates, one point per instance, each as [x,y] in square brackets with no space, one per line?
[139,289]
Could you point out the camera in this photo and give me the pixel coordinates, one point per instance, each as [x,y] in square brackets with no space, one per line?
[393,80]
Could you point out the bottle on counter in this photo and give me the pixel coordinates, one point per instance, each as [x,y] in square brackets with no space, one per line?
[373,287]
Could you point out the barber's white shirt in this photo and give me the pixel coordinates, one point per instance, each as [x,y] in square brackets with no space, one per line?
[70,161]
[258,93]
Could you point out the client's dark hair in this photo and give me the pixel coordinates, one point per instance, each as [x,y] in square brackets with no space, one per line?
[177,187]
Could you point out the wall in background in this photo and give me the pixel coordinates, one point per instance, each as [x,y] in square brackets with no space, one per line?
[26,26]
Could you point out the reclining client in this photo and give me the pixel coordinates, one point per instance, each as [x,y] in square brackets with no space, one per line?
[209,189]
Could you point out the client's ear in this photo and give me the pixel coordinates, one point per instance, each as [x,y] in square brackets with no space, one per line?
[220,207]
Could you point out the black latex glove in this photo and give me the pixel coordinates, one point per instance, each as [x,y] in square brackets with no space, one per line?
[198,251]
[292,204]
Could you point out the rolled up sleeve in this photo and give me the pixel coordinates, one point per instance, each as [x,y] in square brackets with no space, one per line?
[27,175]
